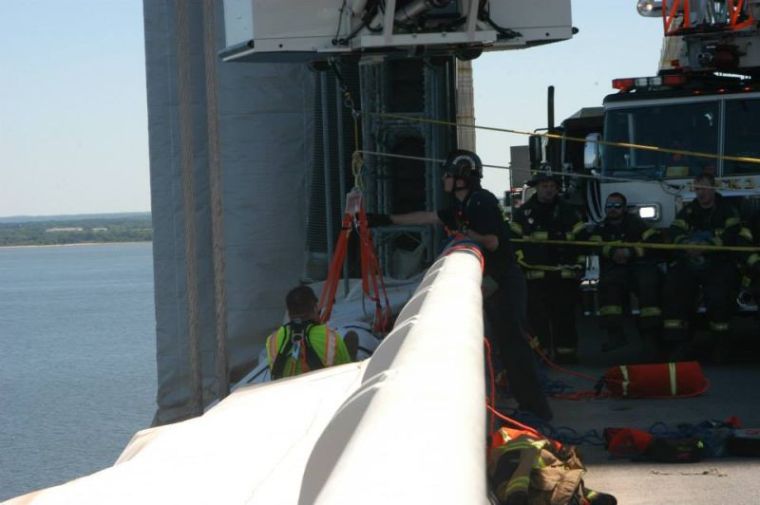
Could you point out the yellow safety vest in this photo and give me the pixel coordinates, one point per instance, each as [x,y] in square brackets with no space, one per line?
[326,343]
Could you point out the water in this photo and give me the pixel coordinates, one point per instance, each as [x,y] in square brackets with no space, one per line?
[77,359]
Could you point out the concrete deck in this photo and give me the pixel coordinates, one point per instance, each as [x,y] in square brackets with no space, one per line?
[734,390]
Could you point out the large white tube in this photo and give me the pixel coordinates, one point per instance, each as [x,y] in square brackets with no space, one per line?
[414,431]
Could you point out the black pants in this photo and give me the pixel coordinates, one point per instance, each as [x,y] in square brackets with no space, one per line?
[505,310]
[718,279]
[551,312]
[615,285]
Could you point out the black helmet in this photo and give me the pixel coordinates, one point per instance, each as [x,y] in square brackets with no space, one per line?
[463,164]
[543,175]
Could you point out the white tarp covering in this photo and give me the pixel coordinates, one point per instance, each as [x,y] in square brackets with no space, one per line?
[264,117]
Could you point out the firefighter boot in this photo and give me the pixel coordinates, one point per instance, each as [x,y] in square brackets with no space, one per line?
[598,498]
[615,340]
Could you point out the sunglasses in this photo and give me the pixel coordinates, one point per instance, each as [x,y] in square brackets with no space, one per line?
[613,205]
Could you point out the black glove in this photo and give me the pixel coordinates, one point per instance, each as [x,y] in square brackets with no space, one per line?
[754,271]
[374,220]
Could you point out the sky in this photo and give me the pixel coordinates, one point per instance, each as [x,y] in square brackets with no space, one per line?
[73,116]
[510,87]
[73,113]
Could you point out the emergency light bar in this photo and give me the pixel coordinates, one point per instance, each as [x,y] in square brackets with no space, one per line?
[630,83]
[294,30]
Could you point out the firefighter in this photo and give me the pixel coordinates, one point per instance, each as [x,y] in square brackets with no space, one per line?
[526,468]
[624,270]
[750,236]
[475,213]
[553,271]
[708,219]
[304,344]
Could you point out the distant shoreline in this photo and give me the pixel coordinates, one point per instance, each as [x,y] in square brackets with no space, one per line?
[72,230]
[75,244]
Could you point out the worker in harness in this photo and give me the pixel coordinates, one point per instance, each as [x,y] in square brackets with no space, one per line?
[553,271]
[750,236]
[708,219]
[304,344]
[624,270]
[475,214]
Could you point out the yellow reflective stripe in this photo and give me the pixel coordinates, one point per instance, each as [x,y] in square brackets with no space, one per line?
[567,274]
[732,221]
[746,234]
[565,350]
[518,444]
[650,312]
[517,484]
[535,274]
[578,227]
[672,374]
[591,495]
[516,227]
[331,346]
[648,233]
[624,374]
[610,310]
[595,238]
[753,258]
[271,347]
[540,235]
[674,324]
[680,223]
[718,326]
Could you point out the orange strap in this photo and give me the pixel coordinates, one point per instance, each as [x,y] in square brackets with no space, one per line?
[373,285]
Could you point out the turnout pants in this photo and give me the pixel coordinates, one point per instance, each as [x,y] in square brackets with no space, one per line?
[551,312]
[718,279]
[615,285]
[505,310]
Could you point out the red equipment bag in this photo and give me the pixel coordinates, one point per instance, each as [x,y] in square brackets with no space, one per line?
[657,380]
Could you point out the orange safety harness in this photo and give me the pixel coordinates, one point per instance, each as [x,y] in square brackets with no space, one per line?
[373,286]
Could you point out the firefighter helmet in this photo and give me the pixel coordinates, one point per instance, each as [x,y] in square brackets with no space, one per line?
[463,164]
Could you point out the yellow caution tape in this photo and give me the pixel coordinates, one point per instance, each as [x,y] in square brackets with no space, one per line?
[643,147]
[667,247]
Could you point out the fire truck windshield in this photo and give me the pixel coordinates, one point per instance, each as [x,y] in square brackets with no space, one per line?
[692,125]
[684,127]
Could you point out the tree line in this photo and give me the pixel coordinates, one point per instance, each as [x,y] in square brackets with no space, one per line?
[77,230]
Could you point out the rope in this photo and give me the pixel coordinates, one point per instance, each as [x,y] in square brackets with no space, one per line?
[215,191]
[644,245]
[492,385]
[630,145]
[580,395]
[608,178]
[357,162]
[185,119]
